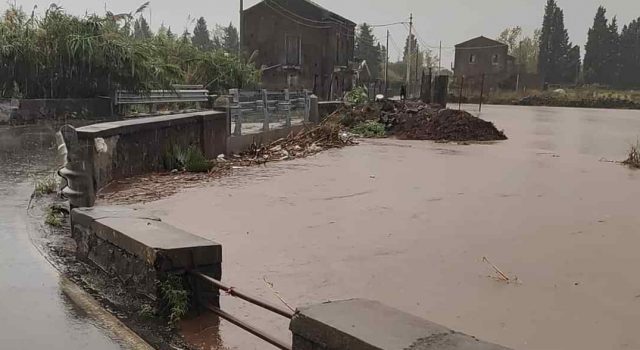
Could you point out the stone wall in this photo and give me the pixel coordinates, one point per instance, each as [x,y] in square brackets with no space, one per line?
[140,250]
[121,149]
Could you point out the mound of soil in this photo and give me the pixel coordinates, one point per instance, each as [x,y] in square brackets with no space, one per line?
[445,125]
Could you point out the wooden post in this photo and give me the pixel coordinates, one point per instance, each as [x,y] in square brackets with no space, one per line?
[481,93]
[265,110]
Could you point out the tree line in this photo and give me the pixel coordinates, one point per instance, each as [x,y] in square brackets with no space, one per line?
[612,56]
[59,55]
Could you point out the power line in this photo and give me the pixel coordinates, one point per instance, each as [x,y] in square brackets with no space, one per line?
[386,25]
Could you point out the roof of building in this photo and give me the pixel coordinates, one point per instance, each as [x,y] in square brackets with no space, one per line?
[288,7]
[480,42]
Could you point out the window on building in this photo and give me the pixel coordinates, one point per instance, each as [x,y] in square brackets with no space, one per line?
[495,59]
[293,47]
[472,58]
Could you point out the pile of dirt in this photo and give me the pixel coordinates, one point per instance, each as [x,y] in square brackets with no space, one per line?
[412,120]
[446,125]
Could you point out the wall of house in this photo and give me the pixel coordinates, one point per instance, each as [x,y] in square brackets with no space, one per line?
[494,73]
[265,31]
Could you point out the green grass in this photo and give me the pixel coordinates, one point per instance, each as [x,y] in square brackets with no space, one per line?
[369,129]
[53,217]
[45,185]
[175,297]
[147,312]
[190,159]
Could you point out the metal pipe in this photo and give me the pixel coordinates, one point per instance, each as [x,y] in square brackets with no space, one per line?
[236,293]
[249,328]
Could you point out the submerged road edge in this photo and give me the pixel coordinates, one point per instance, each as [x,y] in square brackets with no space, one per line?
[128,338]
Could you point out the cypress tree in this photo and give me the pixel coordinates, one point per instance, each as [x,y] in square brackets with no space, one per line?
[545,51]
[366,49]
[630,55]
[595,58]
[201,38]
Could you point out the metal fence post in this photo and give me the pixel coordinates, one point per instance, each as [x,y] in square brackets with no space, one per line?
[236,110]
[265,110]
[287,104]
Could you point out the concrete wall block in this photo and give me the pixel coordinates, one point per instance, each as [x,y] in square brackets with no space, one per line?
[359,324]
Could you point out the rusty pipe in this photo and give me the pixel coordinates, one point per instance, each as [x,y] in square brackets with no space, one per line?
[249,328]
[236,293]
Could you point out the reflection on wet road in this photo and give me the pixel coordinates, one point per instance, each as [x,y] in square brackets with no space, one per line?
[35,314]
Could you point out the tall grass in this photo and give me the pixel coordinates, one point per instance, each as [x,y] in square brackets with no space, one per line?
[58,55]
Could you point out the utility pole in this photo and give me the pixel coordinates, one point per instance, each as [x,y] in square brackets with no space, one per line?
[386,67]
[409,50]
[240,29]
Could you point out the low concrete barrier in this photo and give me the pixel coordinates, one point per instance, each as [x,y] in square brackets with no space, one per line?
[116,150]
[325,108]
[140,250]
[359,324]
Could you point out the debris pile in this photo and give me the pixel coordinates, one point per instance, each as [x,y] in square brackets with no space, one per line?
[308,141]
[152,187]
[419,121]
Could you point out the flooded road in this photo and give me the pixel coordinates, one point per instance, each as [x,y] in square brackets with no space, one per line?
[35,313]
[408,223]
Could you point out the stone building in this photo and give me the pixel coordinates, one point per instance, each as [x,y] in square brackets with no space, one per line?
[300,45]
[481,55]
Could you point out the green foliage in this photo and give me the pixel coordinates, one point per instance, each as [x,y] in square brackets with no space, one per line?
[147,312]
[175,297]
[190,159]
[45,185]
[554,47]
[53,216]
[369,129]
[633,159]
[60,55]
[523,48]
[201,37]
[368,49]
[357,96]
[230,39]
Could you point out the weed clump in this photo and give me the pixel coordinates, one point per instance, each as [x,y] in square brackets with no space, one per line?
[633,159]
[190,159]
[175,298]
[54,216]
[45,185]
[369,129]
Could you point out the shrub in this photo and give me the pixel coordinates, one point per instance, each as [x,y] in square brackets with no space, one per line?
[369,129]
[45,185]
[633,160]
[175,297]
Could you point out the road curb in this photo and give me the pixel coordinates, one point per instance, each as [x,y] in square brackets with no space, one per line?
[128,338]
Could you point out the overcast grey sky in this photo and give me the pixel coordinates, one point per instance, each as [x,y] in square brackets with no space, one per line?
[451,21]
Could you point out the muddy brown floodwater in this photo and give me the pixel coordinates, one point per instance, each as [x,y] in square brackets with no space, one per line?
[34,313]
[408,223]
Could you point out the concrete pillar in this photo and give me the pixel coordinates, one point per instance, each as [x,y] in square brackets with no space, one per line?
[314,114]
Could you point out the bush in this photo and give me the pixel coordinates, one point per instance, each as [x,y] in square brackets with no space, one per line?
[175,298]
[633,160]
[190,159]
[357,96]
[54,216]
[369,129]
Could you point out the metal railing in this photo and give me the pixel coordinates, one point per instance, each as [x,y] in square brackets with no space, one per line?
[267,107]
[180,94]
[248,298]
